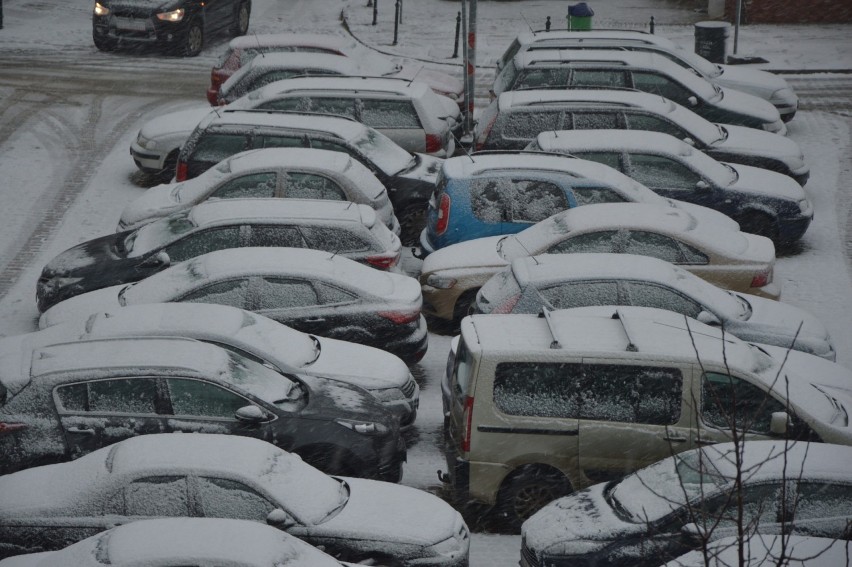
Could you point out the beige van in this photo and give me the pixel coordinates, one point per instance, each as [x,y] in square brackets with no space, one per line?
[544,405]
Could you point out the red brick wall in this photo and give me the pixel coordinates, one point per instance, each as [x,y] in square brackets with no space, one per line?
[791,11]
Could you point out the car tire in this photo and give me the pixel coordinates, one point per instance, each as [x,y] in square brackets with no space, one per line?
[193,41]
[241,20]
[166,174]
[103,43]
[529,490]
[464,304]
[757,222]
[411,223]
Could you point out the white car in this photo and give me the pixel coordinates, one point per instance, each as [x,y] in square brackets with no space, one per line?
[382,374]
[223,476]
[167,542]
[559,281]
[157,145]
[763,84]
[295,173]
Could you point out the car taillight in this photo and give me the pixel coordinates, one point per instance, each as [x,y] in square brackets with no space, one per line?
[401,317]
[182,171]
[433,143]
[443,214]
[762,278]
[507,305]
[6,427]
[467,418]
[383,261]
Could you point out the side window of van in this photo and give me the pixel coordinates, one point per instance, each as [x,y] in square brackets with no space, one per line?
[528,125]
[728,401]
[397,114]
[538,389]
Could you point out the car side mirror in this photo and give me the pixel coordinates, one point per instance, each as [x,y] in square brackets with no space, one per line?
[159,260]
[280,519]
[250,414]
[708,319]
[702,185]
[779,423]
[692,535]
[689,141]
[692,101]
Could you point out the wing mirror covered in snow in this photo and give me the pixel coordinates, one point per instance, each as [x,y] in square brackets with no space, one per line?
[708,319]
[159,260]
[779,423]
[692,535]
[280,519]
[689,141]
[250,414]
[702,185]
[692,101]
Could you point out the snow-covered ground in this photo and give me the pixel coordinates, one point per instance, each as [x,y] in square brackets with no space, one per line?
[37,161]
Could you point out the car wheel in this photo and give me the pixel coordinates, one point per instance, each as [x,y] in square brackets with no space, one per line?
[411,222]
[528,491]
[464,305]
[169,165]
[760,223]
[104,44]
[193,41]
[241,20]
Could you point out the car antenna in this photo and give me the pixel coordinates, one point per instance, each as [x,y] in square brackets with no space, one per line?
[532,31]
[259,47]
[466,151]
[333,255]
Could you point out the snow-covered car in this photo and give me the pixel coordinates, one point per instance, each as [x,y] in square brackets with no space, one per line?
[181,27]
[222,476]
[407,112]
[504,192]
[167,542]
[385,376]
[340,227]
[736,260]
[410,179]
[68,399]
[761,201]
[647,72]
[757,82]
[241,51]
[515,118]
[666,509]
[760,550]
[315,292]
[288,173]
[157,145]
[562,281]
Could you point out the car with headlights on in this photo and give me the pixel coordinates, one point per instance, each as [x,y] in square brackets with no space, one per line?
[284,173]
[339,227]
[645,72]
[451,276]
[69,399]
[181,27]
[761,201]
[708,493]
[177,542]
[515,118]
[316,292]
[220,476]
[254,336]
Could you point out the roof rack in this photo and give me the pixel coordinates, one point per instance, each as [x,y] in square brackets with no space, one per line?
[597,30]
[545,313]
[631,346]
[297,112]
[577,87]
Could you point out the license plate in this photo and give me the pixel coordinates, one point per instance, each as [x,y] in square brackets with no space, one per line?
[130,24]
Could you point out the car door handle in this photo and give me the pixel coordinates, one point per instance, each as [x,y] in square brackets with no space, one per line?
[702,442]
[675,439]
[82,430]
[315,320]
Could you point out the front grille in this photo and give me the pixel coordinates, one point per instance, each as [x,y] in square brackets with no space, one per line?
[408,389]
[529,556]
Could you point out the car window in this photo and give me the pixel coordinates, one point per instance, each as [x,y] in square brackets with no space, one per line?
[728,401]
[538,389]
[510,53]
[598,78]
[273,235]
[342,106]
[285,293]
[224,498]
[528,125]
[130,395]
[816,500]
[202,399]
[595,120]
[644,243]
[631,394]
[273,141]
[612,159]
[662,172]
[311,186]
[231,292]
[398,114]
[593,195]
[336,239]
[291,103]
[655,124]
[581,294]
[490,199]
[214,147]
[656,83]
[333,294]
[535,200]
[540,78]
[760,507]
[646,294]
[601,241]
[254,185]
[202,242]
[271,77]
[157,496]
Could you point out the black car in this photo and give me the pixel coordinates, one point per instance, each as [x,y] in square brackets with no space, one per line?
[65,400]
[175,26]
[410,179]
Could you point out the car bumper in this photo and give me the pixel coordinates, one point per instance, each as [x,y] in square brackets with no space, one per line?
[791,229]
[144,31]
[145,159]
[426,246]
[410,348]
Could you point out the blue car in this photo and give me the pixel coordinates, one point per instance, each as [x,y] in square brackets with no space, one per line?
[494,193]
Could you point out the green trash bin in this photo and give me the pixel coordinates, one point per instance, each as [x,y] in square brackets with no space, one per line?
[580,17]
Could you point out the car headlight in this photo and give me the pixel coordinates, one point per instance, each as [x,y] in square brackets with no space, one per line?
[388,394]
[805,206]
[364,427]
[783,96]
[448,548]
[173,16]
[101,10]
[440,282]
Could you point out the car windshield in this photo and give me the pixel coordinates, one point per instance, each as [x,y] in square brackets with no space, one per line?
[263,382]
[383,152]
[705,131]
[697,62]
[655,491]
[157,234]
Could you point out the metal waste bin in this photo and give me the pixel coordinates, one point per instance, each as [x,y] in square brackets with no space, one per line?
[711,40]
[580,17]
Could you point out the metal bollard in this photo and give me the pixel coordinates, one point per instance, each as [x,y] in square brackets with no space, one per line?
[652,24]
[375,11]
[396,22]
[458,31]
[547,24]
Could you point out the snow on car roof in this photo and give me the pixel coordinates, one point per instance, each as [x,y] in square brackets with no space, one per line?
[569,141]
[278,211]
[769,459]
[203,540]
[297,39]
[644,59]
[527,38]
[301,59]
[655,103]
[342,127]
[172,352]
[402,87]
